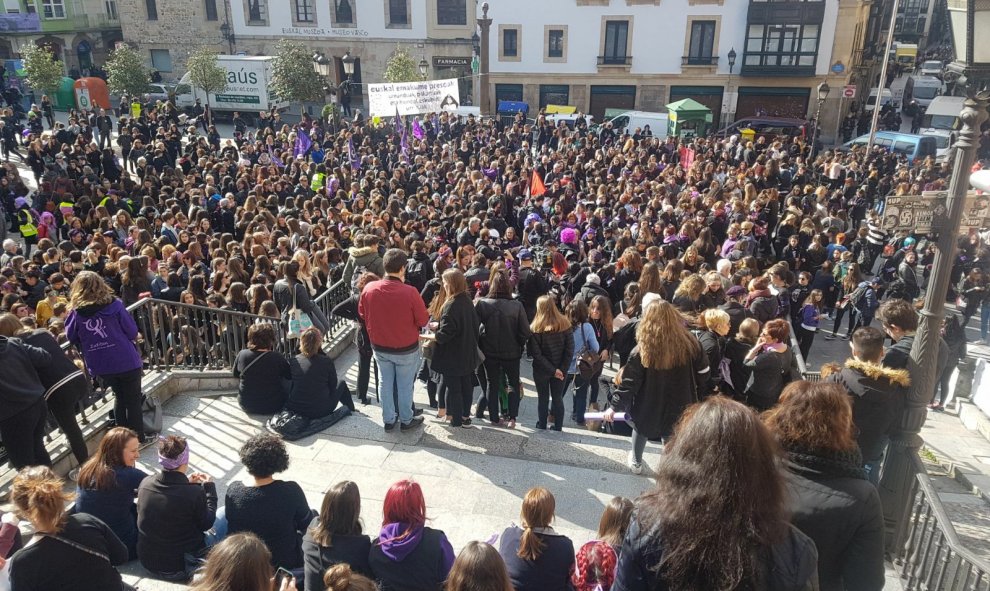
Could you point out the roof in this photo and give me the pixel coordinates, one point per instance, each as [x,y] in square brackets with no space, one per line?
[688,105]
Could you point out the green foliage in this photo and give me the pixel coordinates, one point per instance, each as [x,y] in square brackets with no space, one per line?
[44,72]
[402,67]
[328,111]
[293,78]
[126,72]
[205,72]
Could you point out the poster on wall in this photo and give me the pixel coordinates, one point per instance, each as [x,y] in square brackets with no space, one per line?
[413,98]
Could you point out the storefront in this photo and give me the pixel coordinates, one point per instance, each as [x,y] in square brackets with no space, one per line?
[772,102]
[446,67]
[611,97]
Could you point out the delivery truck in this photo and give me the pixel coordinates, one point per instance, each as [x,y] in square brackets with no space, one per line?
[248,88]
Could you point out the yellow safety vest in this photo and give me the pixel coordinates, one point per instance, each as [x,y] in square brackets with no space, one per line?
[28,228]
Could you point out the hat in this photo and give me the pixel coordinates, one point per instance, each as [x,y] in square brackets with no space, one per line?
[736,290]
[525,255]
[20,202]
[533,217]
[493,233]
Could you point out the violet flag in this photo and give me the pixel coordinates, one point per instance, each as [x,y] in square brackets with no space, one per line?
[418,132]
[352,154]
[303,144]
[275,159]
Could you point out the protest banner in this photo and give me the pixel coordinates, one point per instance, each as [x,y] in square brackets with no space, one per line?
[413,98]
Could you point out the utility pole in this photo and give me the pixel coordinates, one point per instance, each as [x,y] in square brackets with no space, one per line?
[485,23]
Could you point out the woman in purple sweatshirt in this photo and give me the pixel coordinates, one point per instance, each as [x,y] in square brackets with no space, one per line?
[408,556]
[104,332]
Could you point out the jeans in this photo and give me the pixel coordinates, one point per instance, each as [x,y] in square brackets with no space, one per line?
[495,368]
[580,403]
[874,468]
[397,374]
[126,388]
[550,397]
[460,392]
[944,381]
[839,313]
[805,339]
[984,320]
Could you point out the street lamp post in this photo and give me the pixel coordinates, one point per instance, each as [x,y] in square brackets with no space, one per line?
[973,67]
[822,95]
[485,24]
[424,67]
[728,90]
[321,65]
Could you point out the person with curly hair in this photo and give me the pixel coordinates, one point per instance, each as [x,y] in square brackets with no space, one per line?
[274,510]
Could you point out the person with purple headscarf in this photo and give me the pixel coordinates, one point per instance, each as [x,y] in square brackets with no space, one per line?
[174,508]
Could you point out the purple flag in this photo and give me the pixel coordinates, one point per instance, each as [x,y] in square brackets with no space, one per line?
[352,154]
[397,120]
[275,159]
[404,144]
[418,132]
[303,144]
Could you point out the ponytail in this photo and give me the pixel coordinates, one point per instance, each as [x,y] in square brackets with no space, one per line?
[37,493]
[531,546]
[340,577]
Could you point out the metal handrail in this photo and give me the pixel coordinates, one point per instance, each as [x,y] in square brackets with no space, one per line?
[933,557]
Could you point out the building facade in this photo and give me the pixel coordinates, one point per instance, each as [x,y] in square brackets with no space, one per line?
[81,33]
[644,54]
[438,31]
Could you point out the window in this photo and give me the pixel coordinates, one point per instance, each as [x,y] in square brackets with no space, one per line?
[305,11]
[257,11]
[53,8]
[510,42]
[616,37]
[781,45]
[922,20]
[398,13]
[111,6]
[702,42]
[152,6]
[211,10]
[343,12]
[451,12]
[555,43]
[161,60]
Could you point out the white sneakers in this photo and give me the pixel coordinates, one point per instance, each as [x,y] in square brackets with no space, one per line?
[634,466]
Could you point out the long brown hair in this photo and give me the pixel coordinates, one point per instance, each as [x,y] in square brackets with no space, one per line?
[604,307]
[548,318]
[97,473]
[615,519]
[240,562]
[663,340]
[719,498]
[339,514]
[478,567]
[815,416]
[537,511]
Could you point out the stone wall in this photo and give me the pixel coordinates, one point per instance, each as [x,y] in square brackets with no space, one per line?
[181,28]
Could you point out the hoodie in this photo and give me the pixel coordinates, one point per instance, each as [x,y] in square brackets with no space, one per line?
[105,335]
[364,256]
[877,393]
[419,560]
[19,374]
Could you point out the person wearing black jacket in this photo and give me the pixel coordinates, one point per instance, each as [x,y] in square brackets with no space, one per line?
[456,353]
[552,348]
[504,333]
[314,392]
[261,372]
[531,284]
[22,403]
[173,511]
[349,309]
[336,536]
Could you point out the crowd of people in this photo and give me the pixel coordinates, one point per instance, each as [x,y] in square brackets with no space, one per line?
[469,245]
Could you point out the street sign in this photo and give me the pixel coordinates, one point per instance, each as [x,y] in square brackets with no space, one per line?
[838,68]
[849,91]
[475,64]
[927,213]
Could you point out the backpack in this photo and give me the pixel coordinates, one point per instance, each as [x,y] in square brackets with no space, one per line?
[416,274]
[359,270]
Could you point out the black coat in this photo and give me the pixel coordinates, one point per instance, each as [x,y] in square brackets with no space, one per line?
[313,393]
[772,370]
[456,351]
[173,513]
[791,562]
[655,398]
[262,378]
[834,505]
[876,393]
[504,327]
[551,571]
[351,550]
[737,313]
[551,351]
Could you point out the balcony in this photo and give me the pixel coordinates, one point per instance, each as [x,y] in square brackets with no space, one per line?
[615,60]
[785,13]
[20,23]
[776,70]
[80,22]
[699,60]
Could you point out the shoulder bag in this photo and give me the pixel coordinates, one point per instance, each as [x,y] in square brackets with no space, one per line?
[589,364]
[298,320]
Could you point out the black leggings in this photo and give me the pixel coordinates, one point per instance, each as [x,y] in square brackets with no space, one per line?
[460,392]
[126,388]
[24,436]
[494,368]
[839,313]
[62,404]
[364,375]
[550,399]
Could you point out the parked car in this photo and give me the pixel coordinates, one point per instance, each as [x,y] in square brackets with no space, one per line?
[768,127]
[915,147]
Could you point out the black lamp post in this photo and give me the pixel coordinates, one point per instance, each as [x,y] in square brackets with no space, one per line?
[424,67]
[822,95]
[348,62]
[227,33]
[728,90]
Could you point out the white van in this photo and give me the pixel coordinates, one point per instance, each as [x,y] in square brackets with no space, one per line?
[919,92]
[943,113]
[885,98]
[630,120]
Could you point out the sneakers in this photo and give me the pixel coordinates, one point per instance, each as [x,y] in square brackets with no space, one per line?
[390,426]
[414,423]
[149,440]
[74,475]
[634,466]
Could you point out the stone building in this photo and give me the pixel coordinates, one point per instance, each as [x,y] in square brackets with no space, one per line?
[166,32]
[81,33]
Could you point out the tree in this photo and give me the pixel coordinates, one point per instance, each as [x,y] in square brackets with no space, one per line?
[293,78]
[206,73]
[401,67]
[126,72]
[44,72]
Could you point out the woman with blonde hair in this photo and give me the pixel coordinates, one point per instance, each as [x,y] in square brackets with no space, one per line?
[105,333]
[687,296]
[85,550]
[552,348]
[478,567]
[536,557]
[713,325]
[662,377]
[340,577]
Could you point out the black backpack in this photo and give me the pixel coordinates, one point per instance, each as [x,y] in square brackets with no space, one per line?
[416,273]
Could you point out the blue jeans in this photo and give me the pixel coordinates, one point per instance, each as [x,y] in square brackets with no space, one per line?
[984,320]
[397,374]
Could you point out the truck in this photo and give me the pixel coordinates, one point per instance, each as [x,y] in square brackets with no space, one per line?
[248,88]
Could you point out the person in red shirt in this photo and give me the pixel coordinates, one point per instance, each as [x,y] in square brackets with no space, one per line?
[394,313]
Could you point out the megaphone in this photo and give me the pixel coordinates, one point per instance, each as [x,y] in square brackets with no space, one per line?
[980,180]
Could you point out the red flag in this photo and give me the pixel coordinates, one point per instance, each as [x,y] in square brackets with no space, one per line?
[536,186]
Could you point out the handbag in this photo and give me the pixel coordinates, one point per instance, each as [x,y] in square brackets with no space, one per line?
[588,364]
[298,320]
[151,414]
[287,424]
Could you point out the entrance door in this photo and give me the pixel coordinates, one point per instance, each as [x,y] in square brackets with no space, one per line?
[611,97]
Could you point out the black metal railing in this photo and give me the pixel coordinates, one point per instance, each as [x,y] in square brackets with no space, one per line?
[614,60]
[933,558]
[699,60]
